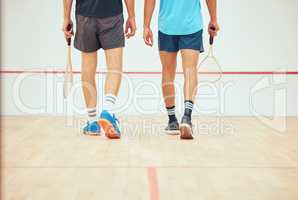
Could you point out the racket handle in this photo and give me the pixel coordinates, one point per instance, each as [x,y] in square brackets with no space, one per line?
[69,27]
[211,38]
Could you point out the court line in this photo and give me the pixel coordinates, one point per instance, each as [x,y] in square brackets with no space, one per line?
[154,72]
[156,167]
[153,183]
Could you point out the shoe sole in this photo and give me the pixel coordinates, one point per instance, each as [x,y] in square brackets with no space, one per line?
[173,132]
[185,132]
[91,134]
[108,128]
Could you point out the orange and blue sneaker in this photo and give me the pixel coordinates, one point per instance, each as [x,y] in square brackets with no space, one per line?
[110,125]
[91,128]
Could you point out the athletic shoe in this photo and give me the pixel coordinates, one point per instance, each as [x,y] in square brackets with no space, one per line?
[172,128]
[91,128]
[186,128]
[110,125]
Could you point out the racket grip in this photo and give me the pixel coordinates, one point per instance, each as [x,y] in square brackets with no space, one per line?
[211,38]
[69,27]
[68,41]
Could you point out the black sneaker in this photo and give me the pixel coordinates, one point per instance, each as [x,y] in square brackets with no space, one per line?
[186,128]
[172,128]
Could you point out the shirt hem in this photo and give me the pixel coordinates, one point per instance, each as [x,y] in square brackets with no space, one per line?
[99,16]
[179,33]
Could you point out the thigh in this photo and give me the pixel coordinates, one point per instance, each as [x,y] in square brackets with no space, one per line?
[169,63]
[111,33]
[168,60]
[168,43]
[86,34]
[190,58]
[89,63]
[114,58]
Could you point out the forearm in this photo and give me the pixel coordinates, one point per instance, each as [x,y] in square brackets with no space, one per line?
[67,4]
[212,8]
[148,12]
[130,6]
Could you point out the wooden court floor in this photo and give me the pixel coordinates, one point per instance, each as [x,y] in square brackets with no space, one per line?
[231,158]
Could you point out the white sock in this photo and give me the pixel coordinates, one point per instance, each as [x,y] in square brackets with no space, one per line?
[92,114]
[109,102]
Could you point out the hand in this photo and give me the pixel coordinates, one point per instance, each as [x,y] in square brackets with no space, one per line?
[130,27]
[66,24]
[148,36]
[213,28]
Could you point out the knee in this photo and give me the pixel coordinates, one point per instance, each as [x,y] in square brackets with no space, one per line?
[87,75]
[168,74]
[168,79]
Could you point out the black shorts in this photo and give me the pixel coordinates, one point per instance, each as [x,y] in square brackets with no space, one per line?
[173,43]
[94,33]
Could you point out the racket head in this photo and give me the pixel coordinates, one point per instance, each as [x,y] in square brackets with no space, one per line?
[209,68]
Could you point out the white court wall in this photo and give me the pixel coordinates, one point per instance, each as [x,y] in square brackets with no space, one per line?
[245,95]
[255,35]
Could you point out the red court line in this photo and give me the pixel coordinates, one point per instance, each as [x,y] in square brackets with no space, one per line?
[153,183]
[153,73]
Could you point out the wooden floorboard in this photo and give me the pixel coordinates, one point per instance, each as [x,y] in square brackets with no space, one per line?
[236,158]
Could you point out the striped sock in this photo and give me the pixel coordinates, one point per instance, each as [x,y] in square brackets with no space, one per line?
[171,114]
[188,107]
[92,114]
[109,102]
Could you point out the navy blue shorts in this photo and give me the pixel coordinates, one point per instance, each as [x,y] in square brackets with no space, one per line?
[173,43]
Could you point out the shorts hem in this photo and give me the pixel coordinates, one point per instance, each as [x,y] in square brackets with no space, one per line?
[199,50]
[113,47]
[170,51]
[87,51]
[174,51]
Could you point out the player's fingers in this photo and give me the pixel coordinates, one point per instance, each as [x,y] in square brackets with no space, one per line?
[212,32]
[68,33]
[66,28]
[151,40]
[133,31]
[146,40]
[128,34]
[126,28]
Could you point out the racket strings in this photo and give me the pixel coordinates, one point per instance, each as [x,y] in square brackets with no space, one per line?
[210,66]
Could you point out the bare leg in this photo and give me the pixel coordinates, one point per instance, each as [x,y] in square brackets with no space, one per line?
[114,75]
[169,63]
[112,85]
[189,62]
[89,63]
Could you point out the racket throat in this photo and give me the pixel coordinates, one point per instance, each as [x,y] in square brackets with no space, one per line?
[210,52]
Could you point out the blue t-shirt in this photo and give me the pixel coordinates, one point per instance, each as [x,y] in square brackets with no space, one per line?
[180,17]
